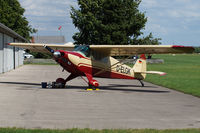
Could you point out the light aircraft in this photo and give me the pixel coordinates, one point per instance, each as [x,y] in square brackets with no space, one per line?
[97,61]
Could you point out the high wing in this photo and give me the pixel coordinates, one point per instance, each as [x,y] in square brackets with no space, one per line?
[38,47]
[127,50]
[112,50]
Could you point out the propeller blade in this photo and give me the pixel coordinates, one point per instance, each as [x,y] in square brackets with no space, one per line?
[49,49]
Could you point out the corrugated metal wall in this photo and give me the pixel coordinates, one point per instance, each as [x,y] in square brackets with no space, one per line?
[8,54]
[1,52]
[10,57]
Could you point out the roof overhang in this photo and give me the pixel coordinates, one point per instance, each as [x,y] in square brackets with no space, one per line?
[5,30]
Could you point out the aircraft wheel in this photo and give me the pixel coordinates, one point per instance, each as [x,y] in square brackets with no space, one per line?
[61,82]
[91,88]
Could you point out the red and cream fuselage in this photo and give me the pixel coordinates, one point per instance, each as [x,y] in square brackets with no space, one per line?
[75,62]
[79,65]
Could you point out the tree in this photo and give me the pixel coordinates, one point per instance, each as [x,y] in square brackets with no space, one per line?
[109,22]
[11,15]
[147,40]
[197,50]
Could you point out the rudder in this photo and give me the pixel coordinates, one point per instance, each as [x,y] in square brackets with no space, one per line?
[140,68]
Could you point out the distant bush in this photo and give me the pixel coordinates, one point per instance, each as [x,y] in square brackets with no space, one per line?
[197,50]
[41,55]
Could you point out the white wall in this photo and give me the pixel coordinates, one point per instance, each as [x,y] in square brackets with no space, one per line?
[8,54]
[10,57]
[1,52]
[16,56]
[21,57]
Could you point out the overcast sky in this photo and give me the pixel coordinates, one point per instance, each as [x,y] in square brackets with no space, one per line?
[175,21]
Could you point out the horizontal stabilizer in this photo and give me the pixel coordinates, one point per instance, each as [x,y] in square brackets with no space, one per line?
[155,72]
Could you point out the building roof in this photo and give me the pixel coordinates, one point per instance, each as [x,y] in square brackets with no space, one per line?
[49,39]
[4,29]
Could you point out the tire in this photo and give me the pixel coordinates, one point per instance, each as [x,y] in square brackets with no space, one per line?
[62,82]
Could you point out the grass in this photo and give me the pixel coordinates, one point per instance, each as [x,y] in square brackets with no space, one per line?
[32,61]
[183,73]
[15,130]
[25,63]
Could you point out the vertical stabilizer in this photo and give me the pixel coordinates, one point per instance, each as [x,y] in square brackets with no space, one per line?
[140,67]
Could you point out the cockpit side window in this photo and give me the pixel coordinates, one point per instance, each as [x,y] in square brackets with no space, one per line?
[83,49]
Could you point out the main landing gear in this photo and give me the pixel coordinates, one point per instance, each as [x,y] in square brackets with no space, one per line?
[92,88]
[92,84]
[60,82]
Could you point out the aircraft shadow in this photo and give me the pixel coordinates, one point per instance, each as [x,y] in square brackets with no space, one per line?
[116,88]
[20,83]
[110,87]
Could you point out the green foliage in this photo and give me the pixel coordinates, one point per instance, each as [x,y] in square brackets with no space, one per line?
[41,55]
[197,50]
[109,22]
[11,15]
[15,130]
[147,40]
[182,73]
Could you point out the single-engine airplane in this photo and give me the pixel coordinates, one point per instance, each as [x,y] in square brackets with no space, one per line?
[97,61]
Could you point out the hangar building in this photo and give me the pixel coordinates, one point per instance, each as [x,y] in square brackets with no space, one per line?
[10,57]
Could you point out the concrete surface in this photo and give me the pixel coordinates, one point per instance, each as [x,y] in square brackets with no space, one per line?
[119,103]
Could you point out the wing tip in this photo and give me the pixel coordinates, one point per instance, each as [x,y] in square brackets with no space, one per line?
[188,49]
[181,46]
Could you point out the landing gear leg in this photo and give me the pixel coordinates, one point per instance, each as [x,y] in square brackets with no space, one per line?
[93,84]
[141,83]
[71,76]
[60,82]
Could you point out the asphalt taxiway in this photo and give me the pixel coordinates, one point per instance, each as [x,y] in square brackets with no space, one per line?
[119,103]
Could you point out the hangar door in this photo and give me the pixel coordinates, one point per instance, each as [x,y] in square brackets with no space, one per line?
[8,54]
[1,53]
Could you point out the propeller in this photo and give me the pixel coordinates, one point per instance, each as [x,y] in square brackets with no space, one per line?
[56,54]
[49,49]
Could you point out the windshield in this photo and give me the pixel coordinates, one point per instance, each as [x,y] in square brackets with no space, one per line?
[83,49]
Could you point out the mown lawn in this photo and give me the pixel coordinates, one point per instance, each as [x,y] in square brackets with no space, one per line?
[183,73]
[15,130]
